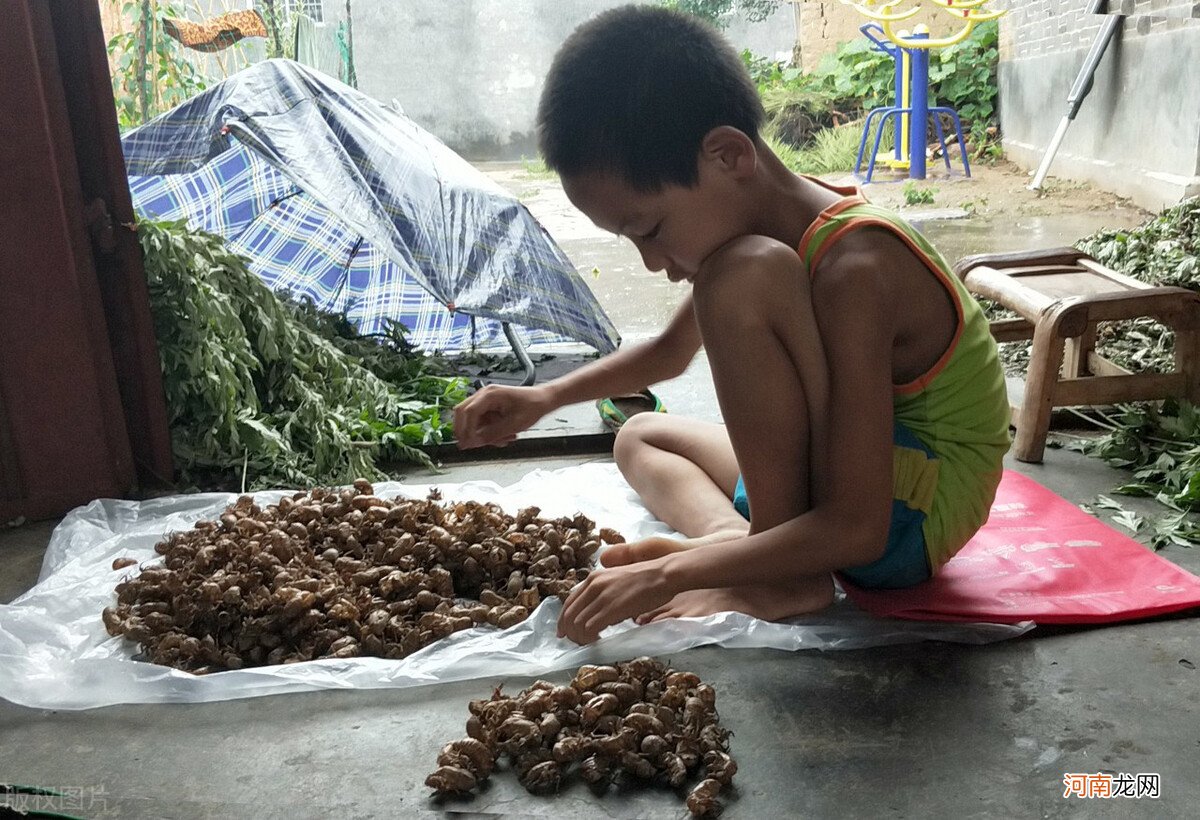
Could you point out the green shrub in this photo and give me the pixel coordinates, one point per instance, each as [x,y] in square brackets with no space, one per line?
[795,114]
[963,76]
[858,77]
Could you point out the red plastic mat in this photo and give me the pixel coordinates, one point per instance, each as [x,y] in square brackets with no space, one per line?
[1040,558]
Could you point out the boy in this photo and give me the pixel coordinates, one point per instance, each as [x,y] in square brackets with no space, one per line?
[863,399]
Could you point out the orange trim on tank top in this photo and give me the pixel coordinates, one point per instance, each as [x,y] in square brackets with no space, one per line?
[925,378]
[852,195]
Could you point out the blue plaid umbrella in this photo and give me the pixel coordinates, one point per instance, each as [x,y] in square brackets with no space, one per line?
[333,196]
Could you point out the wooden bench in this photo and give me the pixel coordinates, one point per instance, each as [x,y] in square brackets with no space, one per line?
[1059,296]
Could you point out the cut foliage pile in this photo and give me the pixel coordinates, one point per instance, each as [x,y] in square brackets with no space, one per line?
[263,391]
[1159,441]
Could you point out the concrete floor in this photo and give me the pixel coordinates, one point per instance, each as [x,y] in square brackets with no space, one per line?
[924,730]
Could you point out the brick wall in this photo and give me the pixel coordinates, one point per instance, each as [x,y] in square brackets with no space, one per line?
[1036,27]
[824,24]
[1138,132]
[821,26]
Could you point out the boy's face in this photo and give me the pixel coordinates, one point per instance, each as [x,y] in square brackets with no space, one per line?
[675,229]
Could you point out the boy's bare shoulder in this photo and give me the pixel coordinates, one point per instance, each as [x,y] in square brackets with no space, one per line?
[748,251]
[863,258]
[856,279]
[865,247]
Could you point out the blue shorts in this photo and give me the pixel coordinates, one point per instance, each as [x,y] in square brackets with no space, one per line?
[904,561]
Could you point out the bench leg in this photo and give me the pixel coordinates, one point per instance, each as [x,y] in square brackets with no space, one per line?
[1187,361]
[1077,352]
[1033,421]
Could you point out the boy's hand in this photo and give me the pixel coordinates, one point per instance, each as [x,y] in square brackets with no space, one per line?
[610,596]
[495,415]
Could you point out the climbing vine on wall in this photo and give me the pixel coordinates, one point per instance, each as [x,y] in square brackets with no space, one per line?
[152,73]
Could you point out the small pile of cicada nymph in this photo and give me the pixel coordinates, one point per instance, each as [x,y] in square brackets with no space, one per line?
[637,721]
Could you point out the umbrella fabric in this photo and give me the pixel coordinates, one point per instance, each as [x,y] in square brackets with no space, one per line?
[335,197]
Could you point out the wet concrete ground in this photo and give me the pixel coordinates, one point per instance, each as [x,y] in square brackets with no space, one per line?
[923,731]
[640,302]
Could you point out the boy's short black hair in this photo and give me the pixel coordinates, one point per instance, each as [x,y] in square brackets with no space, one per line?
[634,90]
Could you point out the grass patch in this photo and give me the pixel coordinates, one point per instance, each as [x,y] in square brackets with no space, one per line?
[536,168]
[832,150]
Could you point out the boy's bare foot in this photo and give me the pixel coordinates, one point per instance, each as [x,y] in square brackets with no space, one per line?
[768,603]
[656,546]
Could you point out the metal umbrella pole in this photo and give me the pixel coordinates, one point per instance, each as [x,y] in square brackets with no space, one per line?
[1081,87]
[521,353]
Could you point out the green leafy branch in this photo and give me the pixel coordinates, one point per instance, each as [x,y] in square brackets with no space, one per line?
[275,390]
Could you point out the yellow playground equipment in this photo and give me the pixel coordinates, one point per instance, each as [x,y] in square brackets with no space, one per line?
[911,111]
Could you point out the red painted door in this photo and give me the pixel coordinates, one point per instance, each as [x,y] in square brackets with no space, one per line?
[81,404]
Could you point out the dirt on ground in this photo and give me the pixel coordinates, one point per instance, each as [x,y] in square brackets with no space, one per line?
[995,194]
[995,190]
[992,211]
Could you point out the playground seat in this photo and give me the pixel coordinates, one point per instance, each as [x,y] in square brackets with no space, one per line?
[1059,296]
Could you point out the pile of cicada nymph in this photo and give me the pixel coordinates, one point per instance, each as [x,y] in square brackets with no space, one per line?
[638,721]
[344,573]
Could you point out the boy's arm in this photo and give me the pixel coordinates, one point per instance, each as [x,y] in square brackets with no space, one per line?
[848,523]
[497,413]
[635,367]
[852,498]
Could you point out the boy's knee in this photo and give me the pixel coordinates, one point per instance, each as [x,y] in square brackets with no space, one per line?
[743,276]
[634,436]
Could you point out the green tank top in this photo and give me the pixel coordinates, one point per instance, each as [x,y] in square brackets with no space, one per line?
[958,409]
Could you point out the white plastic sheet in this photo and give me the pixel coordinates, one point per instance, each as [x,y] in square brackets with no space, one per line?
[55,653]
